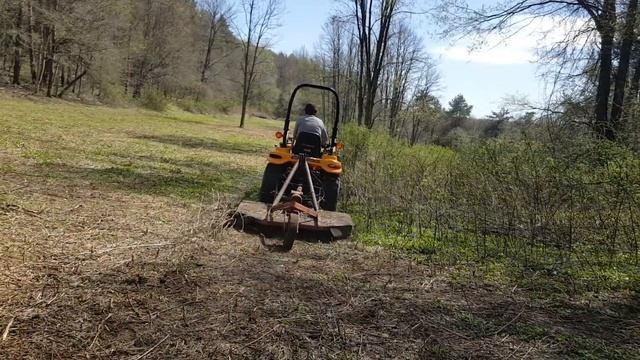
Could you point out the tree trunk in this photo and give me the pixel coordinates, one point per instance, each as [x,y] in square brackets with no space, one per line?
[17,67]
[32,63]
[48,74]
[368,107]
[61,83]
[361,21]
[75,75]
[46,63]
[245,85]
[360,99]
[139,81]
[607,28]
[72,83]
[244,109]
[207,58]
[17,54]
[52,78]
[245,82]
[635,81]
[79,87]
[617,106]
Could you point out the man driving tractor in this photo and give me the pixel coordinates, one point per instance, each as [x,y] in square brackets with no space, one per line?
[301,182]
[312,125]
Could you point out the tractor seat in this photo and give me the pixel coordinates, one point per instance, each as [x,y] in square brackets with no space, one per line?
[308,144]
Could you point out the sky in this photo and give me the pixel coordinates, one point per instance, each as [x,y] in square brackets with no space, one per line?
[485,77]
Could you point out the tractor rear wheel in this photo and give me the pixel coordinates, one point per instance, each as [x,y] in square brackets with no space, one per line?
[331,189]
[271,182]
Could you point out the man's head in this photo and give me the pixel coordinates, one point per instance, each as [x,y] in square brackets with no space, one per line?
[310,109]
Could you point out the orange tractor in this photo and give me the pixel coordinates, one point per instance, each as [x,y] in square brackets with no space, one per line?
[301,184]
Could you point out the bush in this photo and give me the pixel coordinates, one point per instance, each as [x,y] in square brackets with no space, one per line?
[563,208]
[205,107]
[113,94]
[154,100]
[391,188]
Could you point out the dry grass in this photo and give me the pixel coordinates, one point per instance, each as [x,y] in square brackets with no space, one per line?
[95,269]
[123,276]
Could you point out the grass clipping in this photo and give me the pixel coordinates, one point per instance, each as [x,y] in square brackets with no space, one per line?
[107,278]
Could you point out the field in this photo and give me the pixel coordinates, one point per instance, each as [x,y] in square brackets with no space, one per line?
[113,246]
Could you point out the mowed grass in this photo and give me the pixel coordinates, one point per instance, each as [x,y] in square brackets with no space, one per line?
[174,153]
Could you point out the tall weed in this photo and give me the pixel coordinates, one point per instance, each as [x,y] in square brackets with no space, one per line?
[570,208]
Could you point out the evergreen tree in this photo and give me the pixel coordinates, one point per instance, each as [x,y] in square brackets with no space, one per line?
[459,111]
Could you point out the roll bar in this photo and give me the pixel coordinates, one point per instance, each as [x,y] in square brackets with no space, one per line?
[334,132]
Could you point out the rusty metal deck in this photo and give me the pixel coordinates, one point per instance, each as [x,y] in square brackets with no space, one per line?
[339,224]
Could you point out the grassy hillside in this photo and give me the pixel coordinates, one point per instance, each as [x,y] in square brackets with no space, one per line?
[173,153]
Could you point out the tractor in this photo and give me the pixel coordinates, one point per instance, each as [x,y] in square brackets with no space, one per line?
[301,184]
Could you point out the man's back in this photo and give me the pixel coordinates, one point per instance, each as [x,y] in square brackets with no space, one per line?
[311,124]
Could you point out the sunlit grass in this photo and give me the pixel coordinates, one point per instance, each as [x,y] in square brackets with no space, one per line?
[173,153]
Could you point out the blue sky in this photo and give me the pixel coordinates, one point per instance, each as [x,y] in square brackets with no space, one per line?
[484,77]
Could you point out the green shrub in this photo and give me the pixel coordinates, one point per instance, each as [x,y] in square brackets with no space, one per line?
[571,207]
[392,188]
[154,100]
[113,94]
[205,107]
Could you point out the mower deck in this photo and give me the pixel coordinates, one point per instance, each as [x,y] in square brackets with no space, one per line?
[338,224]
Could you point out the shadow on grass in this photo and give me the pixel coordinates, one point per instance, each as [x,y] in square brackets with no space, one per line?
[162,182]
[576,331]
[191,142]
[188,121]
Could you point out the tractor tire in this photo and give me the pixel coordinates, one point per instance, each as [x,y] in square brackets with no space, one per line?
[330,189]
[271,182]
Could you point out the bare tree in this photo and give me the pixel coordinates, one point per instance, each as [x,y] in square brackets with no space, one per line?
[260,18]
[340,57]
[373,19]
[219,13]
[334,47]
[626,46]
[17,45]
[423,113]
[30,31]
[403,59]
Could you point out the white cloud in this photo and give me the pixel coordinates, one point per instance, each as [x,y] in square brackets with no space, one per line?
[519,48]
[503,55]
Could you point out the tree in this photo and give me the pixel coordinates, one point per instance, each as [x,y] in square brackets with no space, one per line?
[458,111]
[404,56]
[626,45]
[339,59]
[159,51]
[496,122]
[423,113]
[373,20]
[260,18]
[17,45]
[501,115]
[219,12]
